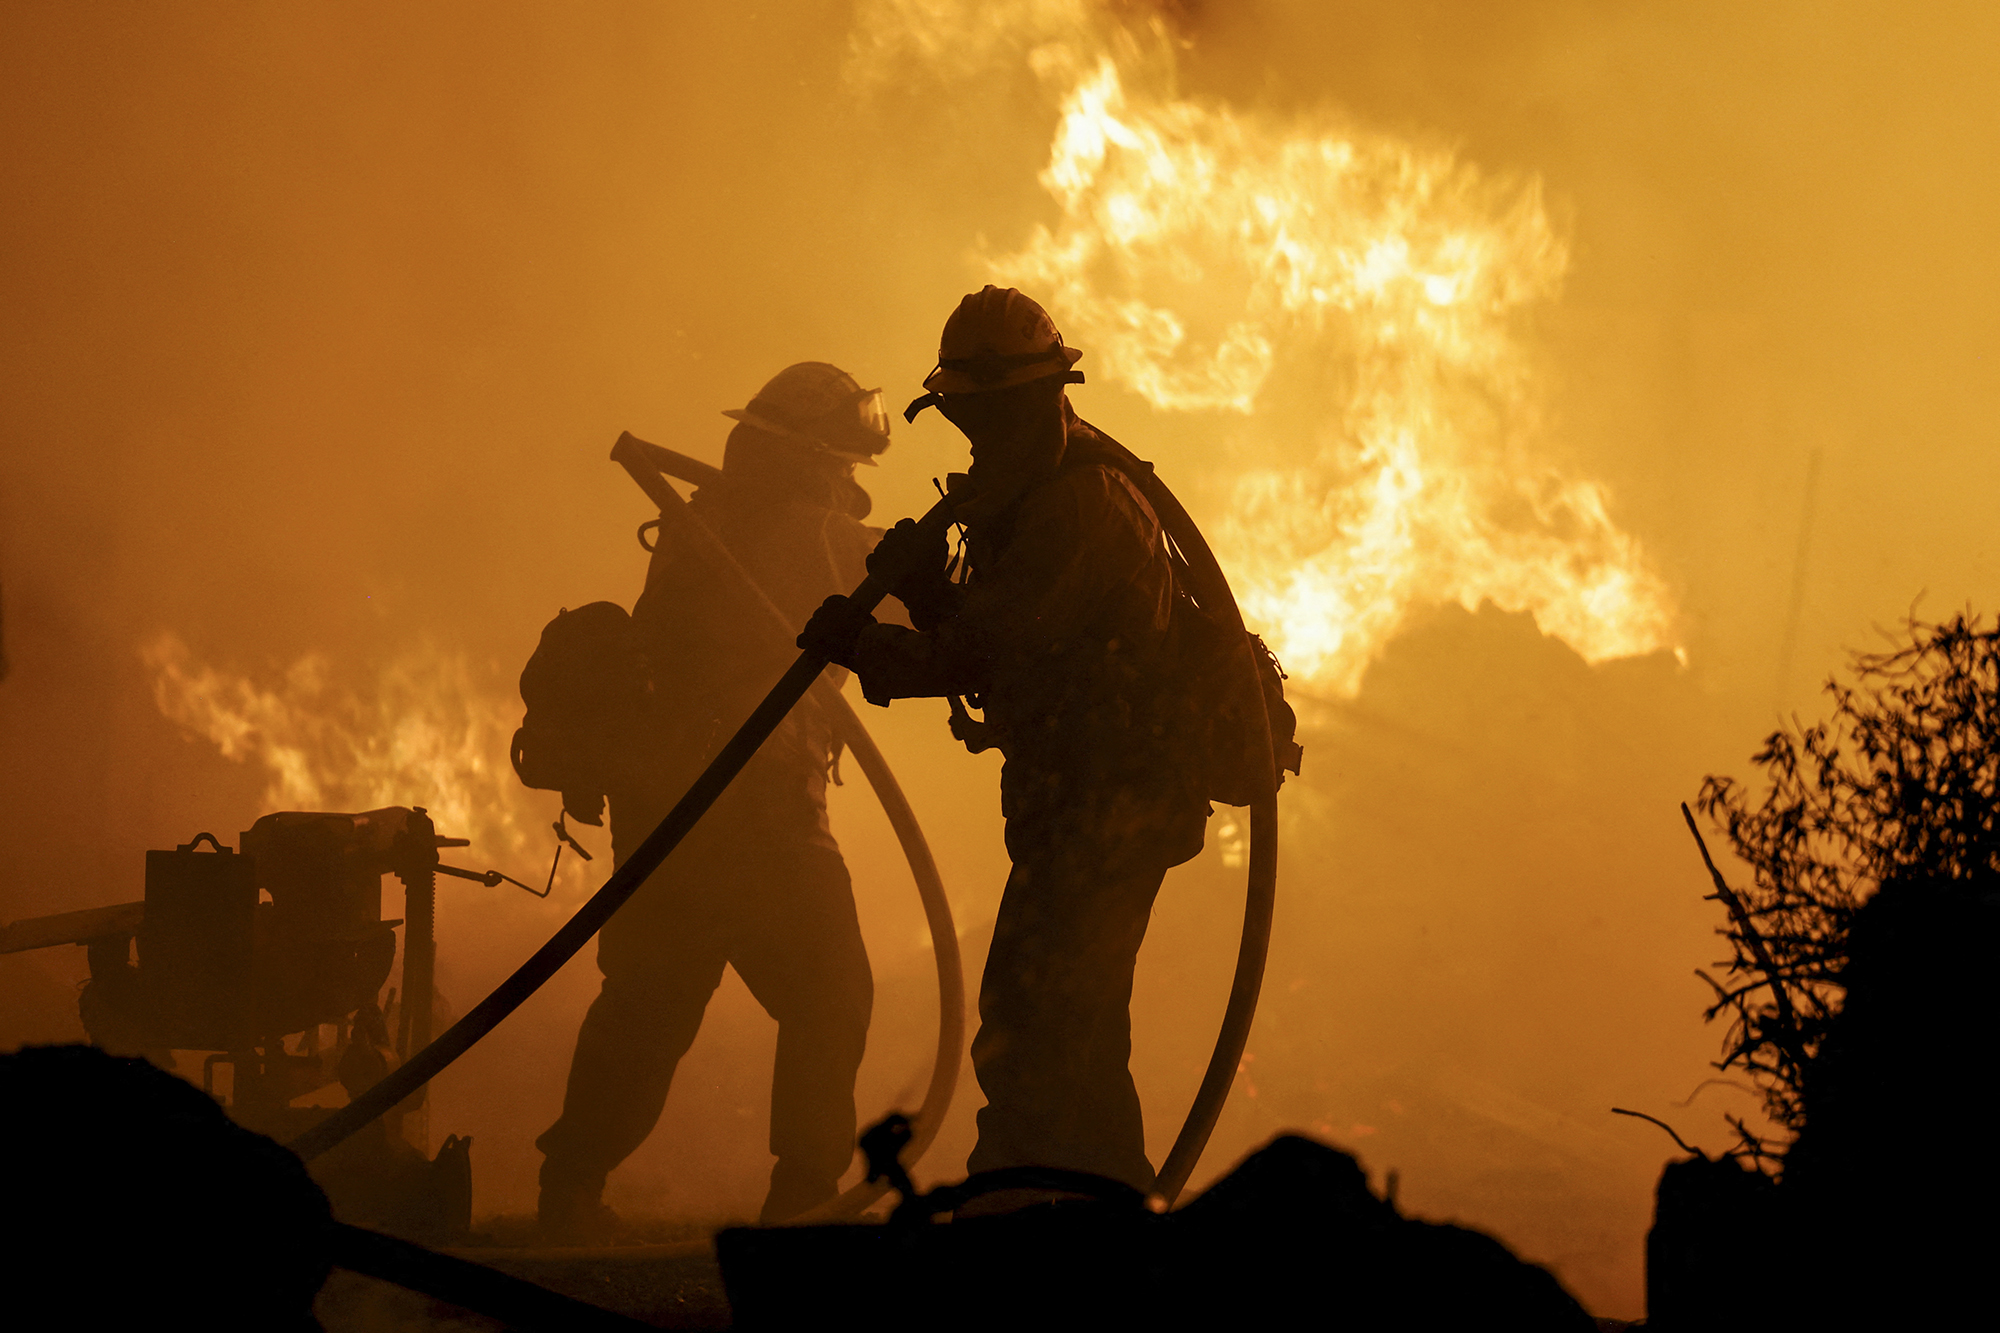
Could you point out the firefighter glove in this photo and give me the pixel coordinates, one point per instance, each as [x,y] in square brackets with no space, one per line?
[910,561]
[833,630]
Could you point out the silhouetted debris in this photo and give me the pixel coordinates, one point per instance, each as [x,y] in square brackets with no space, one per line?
[1862,1000]
[1716,1229]
[1893,1175]
[1863,1227]
[136,1203]
[1292,1238]
[1900,787]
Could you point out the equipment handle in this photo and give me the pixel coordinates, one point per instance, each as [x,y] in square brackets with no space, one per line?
[488,1014]
[631,450]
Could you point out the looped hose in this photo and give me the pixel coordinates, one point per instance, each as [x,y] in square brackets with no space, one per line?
[1261,891]
[806,673]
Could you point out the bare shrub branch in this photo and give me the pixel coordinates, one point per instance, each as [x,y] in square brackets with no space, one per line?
[1898,785]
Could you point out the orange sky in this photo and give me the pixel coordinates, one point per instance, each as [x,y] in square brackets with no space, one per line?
[322,320]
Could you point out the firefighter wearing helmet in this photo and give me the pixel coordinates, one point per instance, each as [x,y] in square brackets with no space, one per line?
[759,885]
[1058,630]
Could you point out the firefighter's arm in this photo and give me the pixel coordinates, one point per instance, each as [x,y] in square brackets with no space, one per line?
[852,544]
[897,663]
[959,630]
[893,662]
[913,563]
[1070,544]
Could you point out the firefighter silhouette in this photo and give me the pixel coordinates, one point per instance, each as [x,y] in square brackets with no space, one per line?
[1057,626]
[759,885]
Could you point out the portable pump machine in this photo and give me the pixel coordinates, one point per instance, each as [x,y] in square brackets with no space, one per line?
[270,960]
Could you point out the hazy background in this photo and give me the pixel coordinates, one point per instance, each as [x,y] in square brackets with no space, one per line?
[320,322]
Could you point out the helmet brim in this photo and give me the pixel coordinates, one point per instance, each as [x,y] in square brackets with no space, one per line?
[942,380]
[799,437]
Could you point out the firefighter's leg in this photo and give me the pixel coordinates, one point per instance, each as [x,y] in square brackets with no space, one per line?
[801,955]
[660,968]
[1055,1018]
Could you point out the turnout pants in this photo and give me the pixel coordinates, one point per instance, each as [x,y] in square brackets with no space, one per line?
[1055,1023]
[781,912]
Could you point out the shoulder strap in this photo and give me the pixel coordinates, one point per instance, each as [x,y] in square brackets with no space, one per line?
[1194,564]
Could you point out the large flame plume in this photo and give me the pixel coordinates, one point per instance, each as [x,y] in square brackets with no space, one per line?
[428,730]
[1347,308]
[1350,307]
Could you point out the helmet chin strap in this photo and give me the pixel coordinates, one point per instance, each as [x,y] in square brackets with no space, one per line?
[935,399]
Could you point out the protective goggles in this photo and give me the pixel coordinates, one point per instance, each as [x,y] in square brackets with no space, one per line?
[871,413]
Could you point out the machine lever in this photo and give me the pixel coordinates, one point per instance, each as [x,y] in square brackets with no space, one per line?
[490,878]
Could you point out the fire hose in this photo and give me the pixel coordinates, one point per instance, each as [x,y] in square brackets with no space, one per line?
[645,462]
[1261,892]
[545,962]
[1211,590]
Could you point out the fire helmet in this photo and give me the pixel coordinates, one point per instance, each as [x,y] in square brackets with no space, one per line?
[821,407]
[996,339]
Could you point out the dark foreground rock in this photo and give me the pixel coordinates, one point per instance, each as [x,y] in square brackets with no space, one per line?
[666,1286]
[136,1203]
[1293,1238]
[1882,1214]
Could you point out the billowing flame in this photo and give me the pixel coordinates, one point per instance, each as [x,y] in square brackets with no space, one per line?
[1351,308]
[1348,308]
[429,730]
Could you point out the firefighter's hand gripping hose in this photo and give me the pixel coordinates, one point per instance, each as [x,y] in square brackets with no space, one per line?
[427,1063]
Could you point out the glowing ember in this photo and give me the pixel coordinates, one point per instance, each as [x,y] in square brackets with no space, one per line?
[429,730]
[1353,302]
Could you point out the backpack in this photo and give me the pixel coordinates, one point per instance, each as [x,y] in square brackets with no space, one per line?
[1209,699]
[1215,704]
[587,689]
